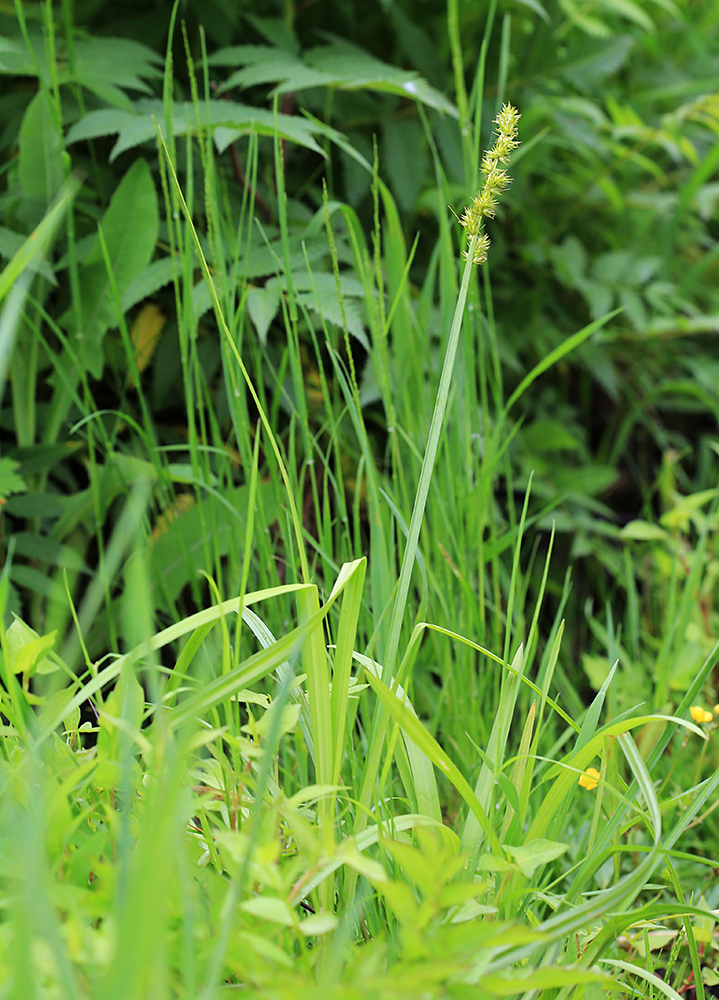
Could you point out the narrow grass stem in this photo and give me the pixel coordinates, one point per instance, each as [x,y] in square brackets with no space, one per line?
[425,476]
[294,514]
[376,742]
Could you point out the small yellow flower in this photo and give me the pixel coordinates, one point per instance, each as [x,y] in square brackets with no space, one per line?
[716,710]
[590,778]
[700,714]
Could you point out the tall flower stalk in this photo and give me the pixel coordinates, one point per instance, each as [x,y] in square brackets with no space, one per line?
[495,180]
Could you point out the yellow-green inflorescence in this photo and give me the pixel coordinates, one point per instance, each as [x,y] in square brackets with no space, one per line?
[494,181]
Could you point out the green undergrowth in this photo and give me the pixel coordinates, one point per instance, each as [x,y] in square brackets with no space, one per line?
[298,697]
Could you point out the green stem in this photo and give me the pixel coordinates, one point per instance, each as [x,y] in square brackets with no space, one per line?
[425,476]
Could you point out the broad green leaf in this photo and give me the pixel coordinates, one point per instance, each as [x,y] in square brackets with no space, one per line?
[130,228]
[41,548]
[42,169]
[405,156]
[644,531]
[549,435]
[264,64]
[319,923]
[339,65]
[108,66]
[262,305]
[27,649]
[270,908]
[120,721]
[596,59]
[15,59]
[354,69]
[492,863]
[226,121]
[72,722]
[536,853]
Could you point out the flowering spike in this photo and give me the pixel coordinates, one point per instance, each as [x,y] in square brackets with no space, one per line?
[494,182]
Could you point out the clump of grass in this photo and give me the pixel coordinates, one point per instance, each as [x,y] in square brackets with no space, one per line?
[245,809]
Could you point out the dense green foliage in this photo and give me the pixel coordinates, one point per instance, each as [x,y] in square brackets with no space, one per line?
[309,627]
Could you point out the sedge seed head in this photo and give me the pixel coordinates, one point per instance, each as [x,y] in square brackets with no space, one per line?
[494,181]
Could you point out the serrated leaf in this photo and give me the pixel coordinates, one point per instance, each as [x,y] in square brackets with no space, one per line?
[107,65]
[99,123]
[263,64]
[10,482]
[339,65]
[323,299]
[31,505]
[597,60]
[17,61]
[155,276]
[354,69]
[632,12]
[225,120]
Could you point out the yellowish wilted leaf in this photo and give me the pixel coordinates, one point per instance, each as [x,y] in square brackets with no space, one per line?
[146,332]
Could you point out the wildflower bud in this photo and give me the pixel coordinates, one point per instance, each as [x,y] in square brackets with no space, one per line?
[700,714]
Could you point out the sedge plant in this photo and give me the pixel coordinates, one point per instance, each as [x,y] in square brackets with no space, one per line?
[220,820]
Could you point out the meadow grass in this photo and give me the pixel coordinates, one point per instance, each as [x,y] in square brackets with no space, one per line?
[306,787]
